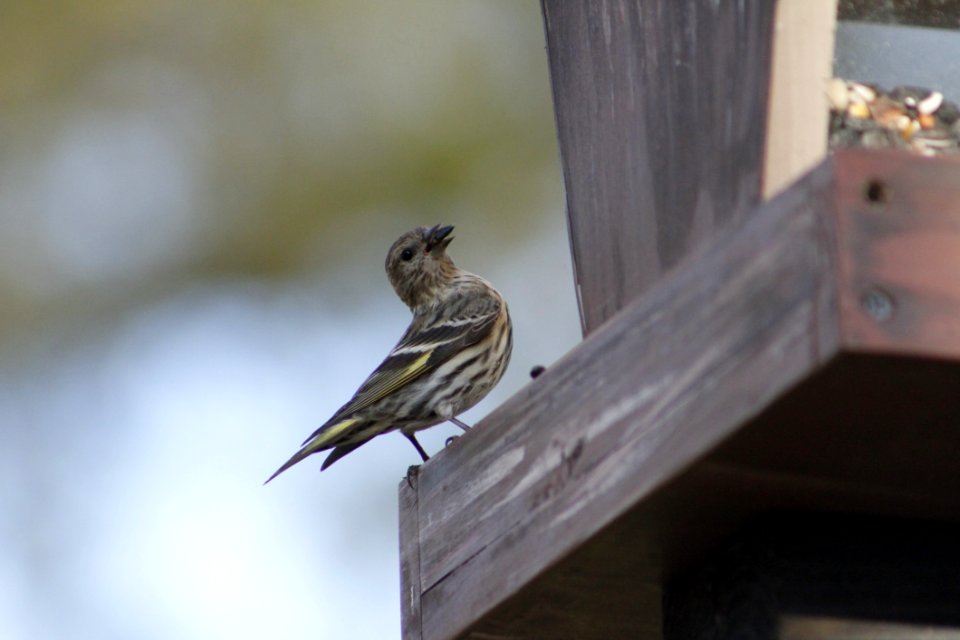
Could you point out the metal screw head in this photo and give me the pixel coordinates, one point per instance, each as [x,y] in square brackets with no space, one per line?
[877,303]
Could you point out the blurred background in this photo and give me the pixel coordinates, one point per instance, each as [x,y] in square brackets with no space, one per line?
[196,199]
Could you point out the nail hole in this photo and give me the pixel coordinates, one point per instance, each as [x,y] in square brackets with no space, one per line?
[876,192]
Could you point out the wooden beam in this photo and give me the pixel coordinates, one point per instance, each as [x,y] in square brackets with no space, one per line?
[660,109]
[757,375]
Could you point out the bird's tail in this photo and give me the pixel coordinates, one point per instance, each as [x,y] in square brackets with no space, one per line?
[324,438]
[340,451]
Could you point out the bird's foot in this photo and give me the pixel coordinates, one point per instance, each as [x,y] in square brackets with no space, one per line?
[412,474]
[449,441]
[461,424]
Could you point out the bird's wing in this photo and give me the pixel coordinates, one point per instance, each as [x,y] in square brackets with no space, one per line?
[422,350]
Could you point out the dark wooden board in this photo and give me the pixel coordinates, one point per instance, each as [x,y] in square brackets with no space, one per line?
[661,111]
[824,566]
[738,384]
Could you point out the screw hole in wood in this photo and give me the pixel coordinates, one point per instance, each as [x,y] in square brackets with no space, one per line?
[876,192]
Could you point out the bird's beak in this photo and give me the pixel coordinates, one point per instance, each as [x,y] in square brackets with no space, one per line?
[438,236]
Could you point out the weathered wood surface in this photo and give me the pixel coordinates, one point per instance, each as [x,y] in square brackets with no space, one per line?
[901,243]
[410,587]
[733,386]
[660,110]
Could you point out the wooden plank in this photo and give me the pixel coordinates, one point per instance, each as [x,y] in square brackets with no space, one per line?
[798,117]
[621,415]
[899,226]
[822,628]
[410,587]
[660,109]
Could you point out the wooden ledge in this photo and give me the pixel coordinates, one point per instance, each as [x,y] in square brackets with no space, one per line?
[809,358]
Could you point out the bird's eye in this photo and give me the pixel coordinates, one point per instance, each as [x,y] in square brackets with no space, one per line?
[406,255]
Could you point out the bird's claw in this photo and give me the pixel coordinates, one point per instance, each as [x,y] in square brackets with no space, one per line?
[449,441]
[412,472]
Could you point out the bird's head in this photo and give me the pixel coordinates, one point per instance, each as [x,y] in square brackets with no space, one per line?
[418,265]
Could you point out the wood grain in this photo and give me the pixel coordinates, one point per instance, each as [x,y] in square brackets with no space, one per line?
[905,246]
[410,585]
[660,110]
[797,115]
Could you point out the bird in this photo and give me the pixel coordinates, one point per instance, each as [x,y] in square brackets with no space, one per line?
[454,352]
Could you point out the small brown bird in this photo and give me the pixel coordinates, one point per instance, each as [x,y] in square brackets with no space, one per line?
[454,351]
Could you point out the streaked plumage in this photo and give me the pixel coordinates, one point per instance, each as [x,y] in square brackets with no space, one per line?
[454,351]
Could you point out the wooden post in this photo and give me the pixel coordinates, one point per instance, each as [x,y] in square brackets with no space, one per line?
[797,121]
[660,108]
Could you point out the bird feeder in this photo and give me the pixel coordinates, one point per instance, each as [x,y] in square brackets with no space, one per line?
[758,436]
[874,74]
